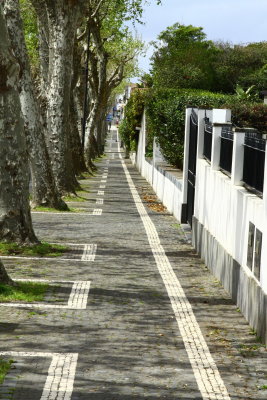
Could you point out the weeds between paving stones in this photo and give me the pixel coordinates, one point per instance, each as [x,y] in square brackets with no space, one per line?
[38,250]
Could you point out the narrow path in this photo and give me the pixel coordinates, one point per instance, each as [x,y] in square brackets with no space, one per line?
[132,313]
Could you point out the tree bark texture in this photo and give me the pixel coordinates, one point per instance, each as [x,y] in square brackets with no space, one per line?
[75,115]
[44,190]
[4,278]
[62,24]
[15,216]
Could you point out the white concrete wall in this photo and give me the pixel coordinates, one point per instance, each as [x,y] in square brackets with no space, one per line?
[225,211]
[166,184]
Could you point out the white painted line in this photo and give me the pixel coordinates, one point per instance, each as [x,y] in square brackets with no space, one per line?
[89,252]
[99,201]
[64,213]
[98,211]
[103,181]
[61,373]
[205,370]
[77,299]
[100,193]
[102,186]
[113,156]
[104,176]
[89,249]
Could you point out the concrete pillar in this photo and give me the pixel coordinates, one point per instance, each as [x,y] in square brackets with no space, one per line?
[216,146]
[200,137]
[185,166]
[238,156]
[220,117]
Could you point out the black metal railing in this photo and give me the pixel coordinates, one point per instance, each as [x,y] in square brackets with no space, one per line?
[226,152]
[254,160]
[207,139]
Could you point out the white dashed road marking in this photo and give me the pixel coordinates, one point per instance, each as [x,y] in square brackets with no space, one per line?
[100,201]
[89,249]
[77,299]
[89,252]
[100,193]
[102,186]
[61,373]
[64,213]
[98,211]
[205,370]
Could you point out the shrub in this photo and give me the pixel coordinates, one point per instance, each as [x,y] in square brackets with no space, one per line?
[165,110]
[132,119]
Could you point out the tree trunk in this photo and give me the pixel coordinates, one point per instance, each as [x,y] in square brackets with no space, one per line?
[15,216]
[4,278]
[75,135]
[62,20]
[44,190]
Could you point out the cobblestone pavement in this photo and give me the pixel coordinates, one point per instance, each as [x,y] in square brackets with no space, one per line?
[132,314]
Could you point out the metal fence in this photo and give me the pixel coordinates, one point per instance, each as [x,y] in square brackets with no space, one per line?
[226,152]
[207,139]
[254,160]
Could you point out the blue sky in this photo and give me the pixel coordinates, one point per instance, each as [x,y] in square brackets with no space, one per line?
[237,21]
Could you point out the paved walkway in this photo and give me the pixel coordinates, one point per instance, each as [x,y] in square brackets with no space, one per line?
[132,313]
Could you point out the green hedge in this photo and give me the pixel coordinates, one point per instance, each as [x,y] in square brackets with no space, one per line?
[165,110]
[132,119]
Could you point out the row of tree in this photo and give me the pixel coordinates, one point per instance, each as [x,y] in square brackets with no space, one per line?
[84,51]
[184,58]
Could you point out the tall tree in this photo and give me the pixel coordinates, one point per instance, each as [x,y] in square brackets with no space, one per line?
[44,190]
[183,58]
[58,21]
[112,54]
[15,216]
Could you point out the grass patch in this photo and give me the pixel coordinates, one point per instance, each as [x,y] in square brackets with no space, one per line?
[38,250]
[5,366]
[74,198]
[47,209]
[24,291]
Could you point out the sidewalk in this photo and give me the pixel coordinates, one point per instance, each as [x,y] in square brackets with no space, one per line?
[132,314]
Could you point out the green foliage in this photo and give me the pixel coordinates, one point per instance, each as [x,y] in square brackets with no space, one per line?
[133,115]
[165,111]
[249,115]
[183,58]
[240,64]
[31,33]
[23,291]
[41,250]
[5,366]
[166,117]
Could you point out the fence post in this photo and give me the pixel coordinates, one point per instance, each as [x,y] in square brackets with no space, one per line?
[238,156]
[185,166]
[200,136]
[216,146]
[219,118]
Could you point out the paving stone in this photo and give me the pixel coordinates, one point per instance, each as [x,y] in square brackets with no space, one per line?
[128,341]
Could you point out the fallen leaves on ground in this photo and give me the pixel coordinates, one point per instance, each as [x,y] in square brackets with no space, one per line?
[153,203]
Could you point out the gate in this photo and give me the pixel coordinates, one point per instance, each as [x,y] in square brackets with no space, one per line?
[192,159]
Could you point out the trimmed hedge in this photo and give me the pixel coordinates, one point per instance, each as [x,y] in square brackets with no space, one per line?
[165,110]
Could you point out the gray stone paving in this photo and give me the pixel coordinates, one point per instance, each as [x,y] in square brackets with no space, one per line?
[127,339]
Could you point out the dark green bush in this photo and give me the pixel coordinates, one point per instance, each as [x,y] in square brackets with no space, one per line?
[165,110]
[166,117]
[132,119]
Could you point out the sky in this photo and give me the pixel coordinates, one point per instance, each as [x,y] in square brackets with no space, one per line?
[237,21]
